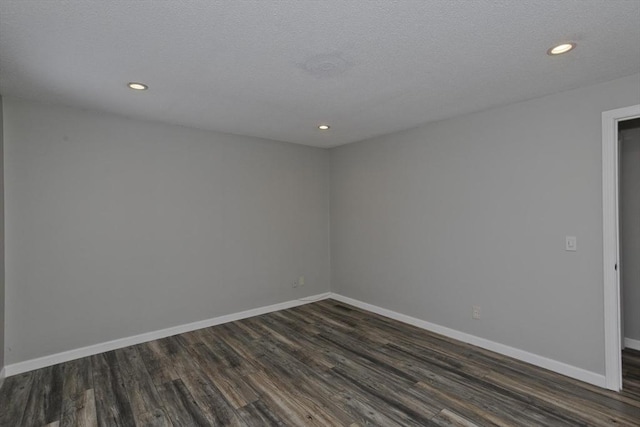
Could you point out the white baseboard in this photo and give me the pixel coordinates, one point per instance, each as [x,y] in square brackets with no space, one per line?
[2,375]
[632,344]
[53,359]
[534,359]
[525,356]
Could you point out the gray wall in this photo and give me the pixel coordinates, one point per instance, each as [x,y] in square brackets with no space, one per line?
[474,211]
[630,228]
[1,239]
[117,227]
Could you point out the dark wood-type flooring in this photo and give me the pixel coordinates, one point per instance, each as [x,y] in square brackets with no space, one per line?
[321,364]
[631,373]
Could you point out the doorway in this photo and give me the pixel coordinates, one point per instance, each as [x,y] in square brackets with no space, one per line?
[629,220]
[611,242]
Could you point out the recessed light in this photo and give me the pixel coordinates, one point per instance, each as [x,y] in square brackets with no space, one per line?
[561,48]
[137,86]
[324,127]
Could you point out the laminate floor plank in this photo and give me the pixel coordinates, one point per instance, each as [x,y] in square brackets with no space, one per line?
[257,414]
[321,364]
[157,363]
[14,395]
[305,350]
[231,386]
[78,402]
[146,403]
[300,380]
[196,385]
[320,386]
[451,376]
[87,415]
[113,407]
[416,361]
[362,408]
[297,322]
[44,405]
[446,418]
[245,344]
[246,328]
[229,358]
[181,407]
[412,406]
[372,359]
[631,373]
[283,399]
[325,321]
[210,400]
[371,405]
[577,409]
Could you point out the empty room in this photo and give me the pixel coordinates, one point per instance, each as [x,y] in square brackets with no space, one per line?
[322,213]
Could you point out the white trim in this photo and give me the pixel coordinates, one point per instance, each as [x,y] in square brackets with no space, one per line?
[553,365]
[610,243]
[65,356]
[2,375]
[525,356]
[632,344]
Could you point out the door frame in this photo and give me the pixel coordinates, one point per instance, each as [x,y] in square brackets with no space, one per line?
[611,242]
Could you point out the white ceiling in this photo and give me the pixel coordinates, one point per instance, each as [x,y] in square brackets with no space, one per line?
[277,69]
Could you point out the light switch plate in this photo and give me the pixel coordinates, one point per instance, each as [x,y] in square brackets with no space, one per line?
[571,243]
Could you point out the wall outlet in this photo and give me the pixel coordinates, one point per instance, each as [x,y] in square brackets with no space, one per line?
[475,313]
[294,284]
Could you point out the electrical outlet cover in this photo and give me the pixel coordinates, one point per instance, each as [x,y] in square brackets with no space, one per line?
[475,312]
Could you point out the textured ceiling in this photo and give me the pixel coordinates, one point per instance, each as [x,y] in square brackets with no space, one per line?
[276,69]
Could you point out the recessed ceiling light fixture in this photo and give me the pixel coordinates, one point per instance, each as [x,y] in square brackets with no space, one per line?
[324,127]
[561,48]
[137,86]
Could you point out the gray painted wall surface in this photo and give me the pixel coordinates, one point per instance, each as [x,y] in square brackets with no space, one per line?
[1,239]
[630,230]
[117,227]
[474,211]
